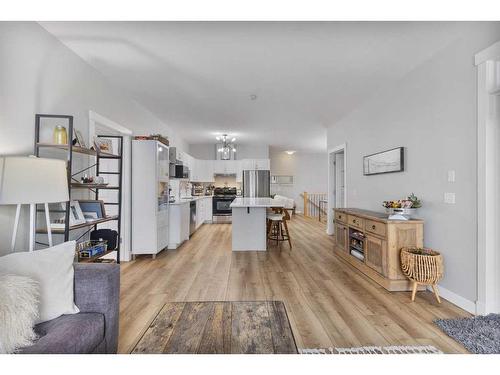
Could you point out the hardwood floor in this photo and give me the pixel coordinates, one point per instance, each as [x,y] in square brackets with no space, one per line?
[328,302]
[260,327]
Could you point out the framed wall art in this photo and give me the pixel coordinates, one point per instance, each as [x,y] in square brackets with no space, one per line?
[389,161]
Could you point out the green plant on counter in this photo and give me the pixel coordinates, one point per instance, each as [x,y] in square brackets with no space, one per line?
[415,202]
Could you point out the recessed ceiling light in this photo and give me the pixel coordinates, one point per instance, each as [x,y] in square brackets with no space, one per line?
[290,152]
[253,97]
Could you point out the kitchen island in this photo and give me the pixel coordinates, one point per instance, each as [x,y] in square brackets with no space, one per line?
[249,222]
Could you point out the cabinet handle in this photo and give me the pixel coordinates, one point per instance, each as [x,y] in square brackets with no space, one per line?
[373,227]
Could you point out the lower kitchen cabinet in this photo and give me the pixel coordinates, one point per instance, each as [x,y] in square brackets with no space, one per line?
[179,224]
[203,211]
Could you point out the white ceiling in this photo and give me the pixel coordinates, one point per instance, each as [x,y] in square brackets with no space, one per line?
[199,76]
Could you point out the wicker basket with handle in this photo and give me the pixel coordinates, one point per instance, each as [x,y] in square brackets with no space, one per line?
[422,266]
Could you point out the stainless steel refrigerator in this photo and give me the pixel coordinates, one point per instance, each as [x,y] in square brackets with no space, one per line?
[256,184]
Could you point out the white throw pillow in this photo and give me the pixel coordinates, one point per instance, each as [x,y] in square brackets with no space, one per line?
[18,312]
[53,269]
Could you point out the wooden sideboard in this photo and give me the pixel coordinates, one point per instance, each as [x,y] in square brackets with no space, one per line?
[372,243]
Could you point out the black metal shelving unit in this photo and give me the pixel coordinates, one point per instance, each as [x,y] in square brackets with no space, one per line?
[73,182]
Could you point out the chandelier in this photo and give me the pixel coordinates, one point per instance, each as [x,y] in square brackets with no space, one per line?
[226,147]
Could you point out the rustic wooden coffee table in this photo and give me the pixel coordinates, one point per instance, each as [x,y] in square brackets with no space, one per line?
[259,327]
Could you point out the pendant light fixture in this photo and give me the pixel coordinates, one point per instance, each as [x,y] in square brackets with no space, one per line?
[226,146]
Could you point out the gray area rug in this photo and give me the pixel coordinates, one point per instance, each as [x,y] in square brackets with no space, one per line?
[480,334]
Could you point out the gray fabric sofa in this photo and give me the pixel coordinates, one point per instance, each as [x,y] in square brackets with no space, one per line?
[95,328]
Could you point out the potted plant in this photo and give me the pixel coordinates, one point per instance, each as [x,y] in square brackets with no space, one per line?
[405,207]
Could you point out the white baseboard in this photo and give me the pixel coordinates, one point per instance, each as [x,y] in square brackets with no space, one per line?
[454,298]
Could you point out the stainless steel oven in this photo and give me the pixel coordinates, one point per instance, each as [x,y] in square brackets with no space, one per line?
[221,201]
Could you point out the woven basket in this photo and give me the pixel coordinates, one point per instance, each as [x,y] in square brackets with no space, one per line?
[424,266]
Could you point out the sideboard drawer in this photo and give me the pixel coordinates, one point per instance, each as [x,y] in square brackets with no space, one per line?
[355,221]
[340,216]
[375,227]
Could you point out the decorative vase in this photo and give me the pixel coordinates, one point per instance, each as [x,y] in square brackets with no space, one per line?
[407,212]
[60,135]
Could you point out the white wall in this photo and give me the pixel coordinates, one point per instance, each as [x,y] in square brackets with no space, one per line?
[207,151]
[38,74]
[307,169]
[204,151]
[432,112]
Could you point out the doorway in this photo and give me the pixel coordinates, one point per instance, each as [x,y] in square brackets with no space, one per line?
[337,196]
[488,180]
[100,125]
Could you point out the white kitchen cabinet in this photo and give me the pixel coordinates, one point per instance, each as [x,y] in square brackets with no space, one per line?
[202,171]
[179,224]
[262,164]
[226,166]
[179,155]
[208,170]
[188,161]
[208,209]
[219,166]
[203,211]
[194,171]
[234,166]
[256,164]
[150,208]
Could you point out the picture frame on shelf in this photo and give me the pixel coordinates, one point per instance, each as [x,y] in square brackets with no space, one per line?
[80,141]
[103,145]
[91,207]
[75,213]
[90,216]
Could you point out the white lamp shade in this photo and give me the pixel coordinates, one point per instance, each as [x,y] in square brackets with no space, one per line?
[26,180]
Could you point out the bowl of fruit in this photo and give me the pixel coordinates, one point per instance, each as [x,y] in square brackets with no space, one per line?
[404,207]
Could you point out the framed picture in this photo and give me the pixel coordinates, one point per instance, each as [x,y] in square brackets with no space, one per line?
[90,216]
[93,209]
[389,161]
[79,139]
[75,213]
[103,145]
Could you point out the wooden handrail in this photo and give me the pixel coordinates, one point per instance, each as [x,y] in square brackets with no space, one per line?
[306,203]
[312,206]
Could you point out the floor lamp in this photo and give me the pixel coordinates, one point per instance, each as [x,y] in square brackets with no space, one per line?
[31,180]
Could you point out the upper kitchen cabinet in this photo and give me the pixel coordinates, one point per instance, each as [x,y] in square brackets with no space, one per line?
[202,171]
[226,166]
[188,161]
[256,164]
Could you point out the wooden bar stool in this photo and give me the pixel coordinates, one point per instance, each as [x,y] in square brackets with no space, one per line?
[277,228]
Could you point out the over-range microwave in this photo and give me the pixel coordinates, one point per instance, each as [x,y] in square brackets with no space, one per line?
[179,171]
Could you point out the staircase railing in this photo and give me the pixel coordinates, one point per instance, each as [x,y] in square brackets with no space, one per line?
[314,204]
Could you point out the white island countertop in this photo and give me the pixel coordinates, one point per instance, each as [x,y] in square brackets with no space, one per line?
[256,202]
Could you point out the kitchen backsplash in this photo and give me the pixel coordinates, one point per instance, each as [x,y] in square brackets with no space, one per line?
[230,181]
